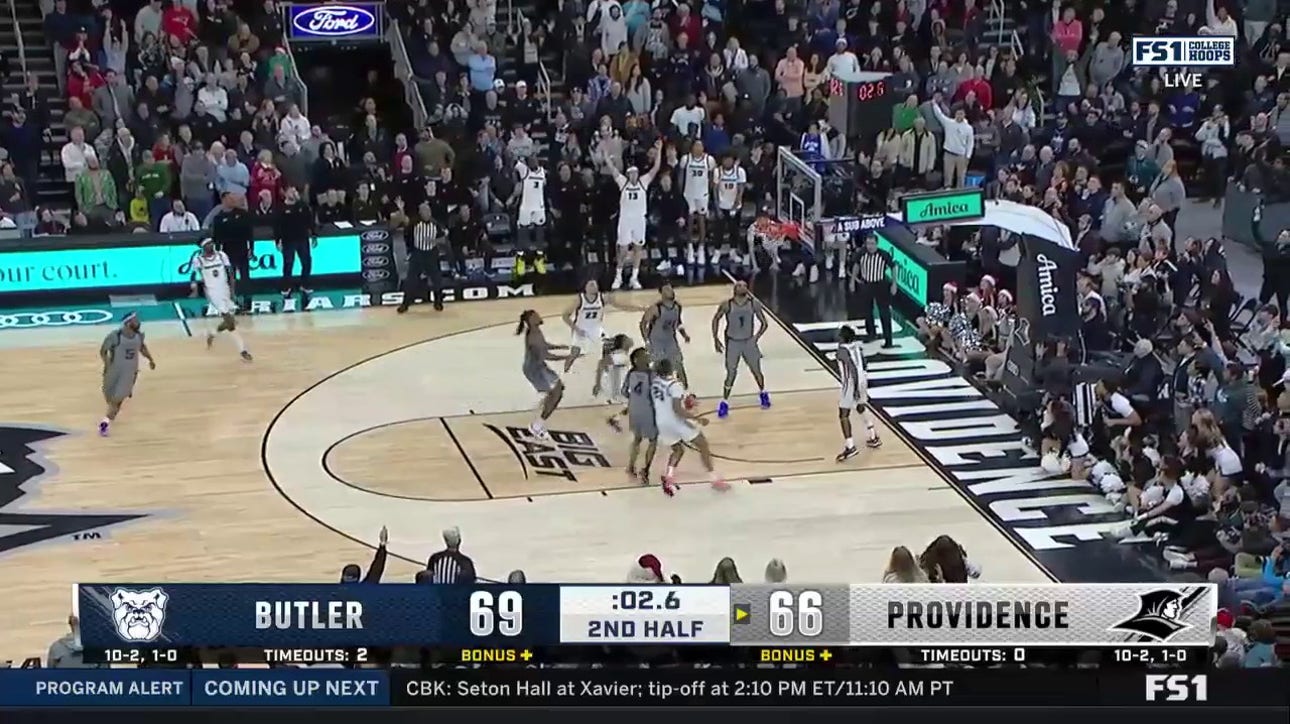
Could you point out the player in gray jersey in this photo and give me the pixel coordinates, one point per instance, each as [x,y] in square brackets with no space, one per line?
[660,326]
[745,322]
[637,388]
[120,354]
[537,352]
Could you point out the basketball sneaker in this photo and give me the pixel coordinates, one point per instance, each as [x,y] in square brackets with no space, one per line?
[763,399]
[210,340]
[539,430]
[669,486]
[723,409]
[874,442]
[103,428]
[847,453]
[618,280]
[246,356]
[616,426]
[719,483]
[539,263]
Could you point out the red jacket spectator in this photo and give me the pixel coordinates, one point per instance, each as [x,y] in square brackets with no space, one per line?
[980,86]
[1068,32]
[82,81]
[178,20]
[688,23]
[265,177]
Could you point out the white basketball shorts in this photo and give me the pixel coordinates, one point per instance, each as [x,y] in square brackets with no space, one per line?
[670,434]
[631,231]
[588,340]
[698,204]
[531,217]
[852,396]
[220,301]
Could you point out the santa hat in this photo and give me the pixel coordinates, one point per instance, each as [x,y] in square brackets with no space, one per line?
[1005,295]
[950,287]
[648,569]
[1225,619]
[990,279]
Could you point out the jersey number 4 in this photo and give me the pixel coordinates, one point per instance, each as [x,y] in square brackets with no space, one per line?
[637,388]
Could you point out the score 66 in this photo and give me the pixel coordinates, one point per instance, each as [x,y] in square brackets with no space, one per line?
[492,615]
[800,614]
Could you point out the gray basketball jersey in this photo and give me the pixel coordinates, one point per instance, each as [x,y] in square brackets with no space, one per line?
[640,400]
[662,333]
[739,319]
[123,350]
[535,351]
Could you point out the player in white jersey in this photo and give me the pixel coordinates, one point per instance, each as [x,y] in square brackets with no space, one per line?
[530,222]
[632,214]
[586,319]
[854,394]
[697,174]
[731,179]
[213,268]
[679,426]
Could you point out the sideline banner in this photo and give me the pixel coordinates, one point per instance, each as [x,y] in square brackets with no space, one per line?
[1046,292]
[139,261]
[380,274]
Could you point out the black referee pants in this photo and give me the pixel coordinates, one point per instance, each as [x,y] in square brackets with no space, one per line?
[876,294]
[239,256]
[423,266]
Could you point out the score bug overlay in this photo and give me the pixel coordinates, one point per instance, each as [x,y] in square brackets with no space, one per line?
[645,614]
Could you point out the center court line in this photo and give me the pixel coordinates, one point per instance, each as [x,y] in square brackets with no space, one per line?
[182,318]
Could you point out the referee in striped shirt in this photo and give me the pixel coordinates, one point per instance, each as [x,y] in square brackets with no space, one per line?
[427,249]
[871,271]
[449,565]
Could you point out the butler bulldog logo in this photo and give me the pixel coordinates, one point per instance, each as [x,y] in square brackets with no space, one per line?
[138,615]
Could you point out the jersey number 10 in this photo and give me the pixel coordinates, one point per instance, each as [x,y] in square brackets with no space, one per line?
[500,614]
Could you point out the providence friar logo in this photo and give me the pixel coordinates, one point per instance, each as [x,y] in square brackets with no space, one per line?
[21,466]
[1159,616]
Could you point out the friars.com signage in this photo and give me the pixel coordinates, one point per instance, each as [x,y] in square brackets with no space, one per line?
[357,21]
[152,266]
[943,206]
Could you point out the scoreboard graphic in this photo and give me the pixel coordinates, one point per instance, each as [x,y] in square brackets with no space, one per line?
[124,622]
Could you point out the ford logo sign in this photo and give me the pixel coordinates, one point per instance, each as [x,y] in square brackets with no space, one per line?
[375,261]
[375,275]
[376,248]
[375,235]
[333,21]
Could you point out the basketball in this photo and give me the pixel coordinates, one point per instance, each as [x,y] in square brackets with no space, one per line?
[690,401]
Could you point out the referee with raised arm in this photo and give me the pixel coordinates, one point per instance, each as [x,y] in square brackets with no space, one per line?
[427,246]
[871,271]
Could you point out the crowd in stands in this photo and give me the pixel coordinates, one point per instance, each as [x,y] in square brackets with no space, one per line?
[1193,435]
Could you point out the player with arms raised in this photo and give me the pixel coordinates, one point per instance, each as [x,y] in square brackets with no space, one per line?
[854,394]
[531,220]
[660,326]
[120,354]
[678,426]
[639,391]
[632,215]
[537,352]
[586,319]
[745,323]
[698,175]
[213,268]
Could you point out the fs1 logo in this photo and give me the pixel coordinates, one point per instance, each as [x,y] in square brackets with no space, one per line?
[1177,687]
[1184,52]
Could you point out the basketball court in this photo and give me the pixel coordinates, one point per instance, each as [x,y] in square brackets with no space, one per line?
[349,421]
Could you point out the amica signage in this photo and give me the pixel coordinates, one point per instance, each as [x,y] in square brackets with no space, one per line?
[944,206]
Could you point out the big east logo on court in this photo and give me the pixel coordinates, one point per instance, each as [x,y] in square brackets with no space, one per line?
[558,456]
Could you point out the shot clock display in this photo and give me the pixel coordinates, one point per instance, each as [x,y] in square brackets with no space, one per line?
[862,107]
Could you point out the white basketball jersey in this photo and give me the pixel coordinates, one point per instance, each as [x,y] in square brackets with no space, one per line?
[631,202]
[591,313]
[534,194]
[854,352]
[214,272]
[728,183]
[664,392]
[698,175]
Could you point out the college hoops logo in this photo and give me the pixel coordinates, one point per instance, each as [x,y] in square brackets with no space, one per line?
[1159,616]
[22,465]
[139,615]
